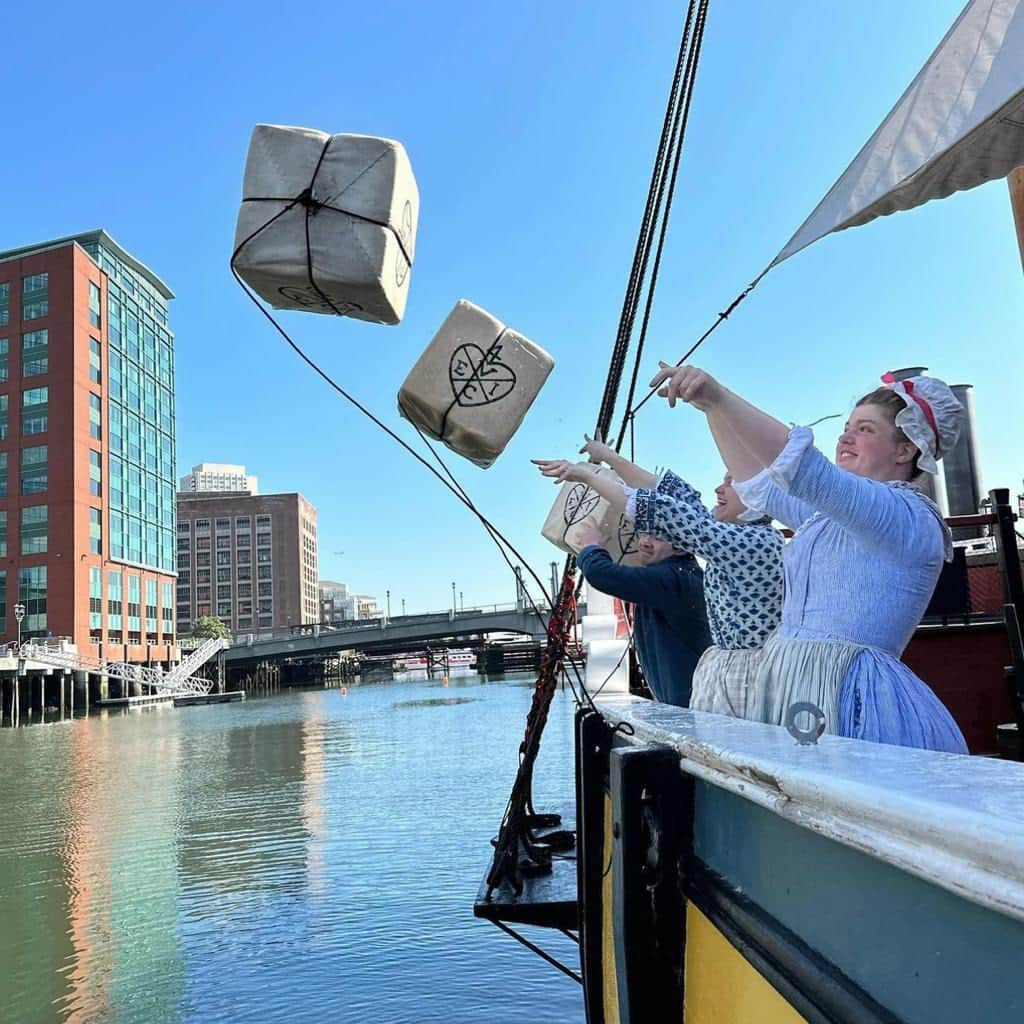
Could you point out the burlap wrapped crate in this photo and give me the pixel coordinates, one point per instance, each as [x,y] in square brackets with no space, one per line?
[576,505]
[474,383]
[327,223]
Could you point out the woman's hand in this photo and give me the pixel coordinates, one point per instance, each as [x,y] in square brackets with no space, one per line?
[587,533]
[560,470]
[687,383]
[597,450]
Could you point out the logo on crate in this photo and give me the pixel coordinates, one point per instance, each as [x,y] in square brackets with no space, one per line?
[579,503]
[310,298]
[627,537]
[405,237]
[478,377]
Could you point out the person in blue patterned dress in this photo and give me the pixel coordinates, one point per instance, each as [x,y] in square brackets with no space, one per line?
[742,576]
[865,557]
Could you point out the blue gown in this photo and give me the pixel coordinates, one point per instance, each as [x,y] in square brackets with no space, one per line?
[859,574]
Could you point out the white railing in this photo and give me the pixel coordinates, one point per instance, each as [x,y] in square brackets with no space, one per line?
[158,681]
[200,656]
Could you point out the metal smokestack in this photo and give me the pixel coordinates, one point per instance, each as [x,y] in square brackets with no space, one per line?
[962,466]
[925,482]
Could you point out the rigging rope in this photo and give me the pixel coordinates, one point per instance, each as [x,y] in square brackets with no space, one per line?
[517,849]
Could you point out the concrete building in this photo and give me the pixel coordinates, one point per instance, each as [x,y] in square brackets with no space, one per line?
[219,476]
[87,448]
[338,605]
[250,560]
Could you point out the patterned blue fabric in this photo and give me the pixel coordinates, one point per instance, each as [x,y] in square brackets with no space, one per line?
[860,571]
[743,575]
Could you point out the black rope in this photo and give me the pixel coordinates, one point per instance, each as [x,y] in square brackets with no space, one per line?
[641,252]
[540,952]
[679,135]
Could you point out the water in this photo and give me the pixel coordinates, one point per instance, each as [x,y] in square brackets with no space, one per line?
[305,857]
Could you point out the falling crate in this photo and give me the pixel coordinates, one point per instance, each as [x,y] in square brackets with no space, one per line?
[327,223]
[474,383]
[578,504]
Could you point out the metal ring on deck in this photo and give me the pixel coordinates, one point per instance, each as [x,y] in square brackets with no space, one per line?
[805,737]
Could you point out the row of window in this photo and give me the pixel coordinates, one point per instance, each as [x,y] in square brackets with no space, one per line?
[118,610]
[223,524]
[34,412]
[35,298]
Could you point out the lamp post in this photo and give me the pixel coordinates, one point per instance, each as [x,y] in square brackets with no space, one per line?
[403,605]
[388,593]
[19,614]
[462,603]
[455,607]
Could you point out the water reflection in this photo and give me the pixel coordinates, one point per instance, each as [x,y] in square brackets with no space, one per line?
[304,857]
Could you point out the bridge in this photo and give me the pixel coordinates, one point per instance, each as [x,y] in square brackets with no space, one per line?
[387,635]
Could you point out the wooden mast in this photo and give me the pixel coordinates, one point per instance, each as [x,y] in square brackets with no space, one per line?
[1016,182]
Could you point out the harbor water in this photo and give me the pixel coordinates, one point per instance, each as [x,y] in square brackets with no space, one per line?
[311,856]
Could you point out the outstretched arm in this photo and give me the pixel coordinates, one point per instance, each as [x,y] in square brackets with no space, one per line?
[748,439]
[632,475]
[561,470]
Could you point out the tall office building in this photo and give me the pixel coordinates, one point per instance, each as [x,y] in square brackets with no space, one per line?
[219,476]
[87,448]
[250,560]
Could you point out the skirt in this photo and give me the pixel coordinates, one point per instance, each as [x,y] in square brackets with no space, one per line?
[865,693]
[722,680]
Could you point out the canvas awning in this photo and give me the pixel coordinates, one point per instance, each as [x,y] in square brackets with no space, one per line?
[958,125]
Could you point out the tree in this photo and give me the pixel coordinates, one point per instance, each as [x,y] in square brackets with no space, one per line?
[210,626]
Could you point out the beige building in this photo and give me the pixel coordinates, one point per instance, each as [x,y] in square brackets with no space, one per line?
[250,560]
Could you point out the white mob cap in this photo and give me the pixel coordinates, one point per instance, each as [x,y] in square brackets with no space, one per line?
[932,419]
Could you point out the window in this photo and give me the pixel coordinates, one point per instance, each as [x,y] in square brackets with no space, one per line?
[33,529]
[224,592]
[34,470]
[263,555]
[265,572]
[223,543]
[95,420]
[244,540]
[95,366]
[202,526]
[263,540]
[3,531]
[223,525]
[167,610]
[265,607]
[223,558]
[202,575]
[95,474]
[224,610]
[94,305]
[35,296]
[3,598]
[3,417]
[242,523]
[203,594]
[151,606]
[245,590]
[95,531]
[203,558]
[243,556]
[34,409]
[185,579]
[95,600]
[202,543]
[244,572]
[265,590]
[35,349]
[4,368]
[32,594]
[224,575]
[184,561]
[5,303]
[134,605]
[262,521]
[3,474]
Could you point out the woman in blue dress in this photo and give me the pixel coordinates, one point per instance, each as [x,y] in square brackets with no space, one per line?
[865,557]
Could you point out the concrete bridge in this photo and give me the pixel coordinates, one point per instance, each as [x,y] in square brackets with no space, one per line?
[384,635]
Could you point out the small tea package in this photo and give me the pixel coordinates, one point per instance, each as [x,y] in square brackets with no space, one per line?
[327,222]
[474,383]
[578,504]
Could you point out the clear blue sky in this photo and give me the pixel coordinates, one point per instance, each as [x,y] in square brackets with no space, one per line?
[531,128]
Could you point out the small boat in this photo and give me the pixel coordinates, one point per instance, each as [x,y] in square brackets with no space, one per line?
[453,659]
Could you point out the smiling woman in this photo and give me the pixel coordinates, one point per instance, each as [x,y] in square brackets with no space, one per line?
[865,558]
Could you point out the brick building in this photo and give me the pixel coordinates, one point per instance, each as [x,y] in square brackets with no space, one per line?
[87,448]
[250,560]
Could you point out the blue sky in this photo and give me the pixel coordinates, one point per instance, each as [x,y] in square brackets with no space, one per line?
[531,128]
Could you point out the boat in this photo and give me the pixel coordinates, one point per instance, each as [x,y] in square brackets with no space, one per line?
[718,871]
[453,659]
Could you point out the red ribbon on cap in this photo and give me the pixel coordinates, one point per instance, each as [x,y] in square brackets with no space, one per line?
[908,387]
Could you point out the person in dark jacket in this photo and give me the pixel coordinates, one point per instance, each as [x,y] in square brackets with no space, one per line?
[670,626]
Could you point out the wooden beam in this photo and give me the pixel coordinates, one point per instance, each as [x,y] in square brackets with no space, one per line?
[1016,182]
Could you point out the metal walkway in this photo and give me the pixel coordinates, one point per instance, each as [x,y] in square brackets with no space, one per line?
[179,681]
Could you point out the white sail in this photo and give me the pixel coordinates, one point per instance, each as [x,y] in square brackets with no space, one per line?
[958,125]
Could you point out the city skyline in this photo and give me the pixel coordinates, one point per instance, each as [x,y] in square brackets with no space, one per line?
[532,178]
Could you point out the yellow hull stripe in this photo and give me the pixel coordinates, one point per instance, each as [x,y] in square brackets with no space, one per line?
[721,987]
[610,982]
